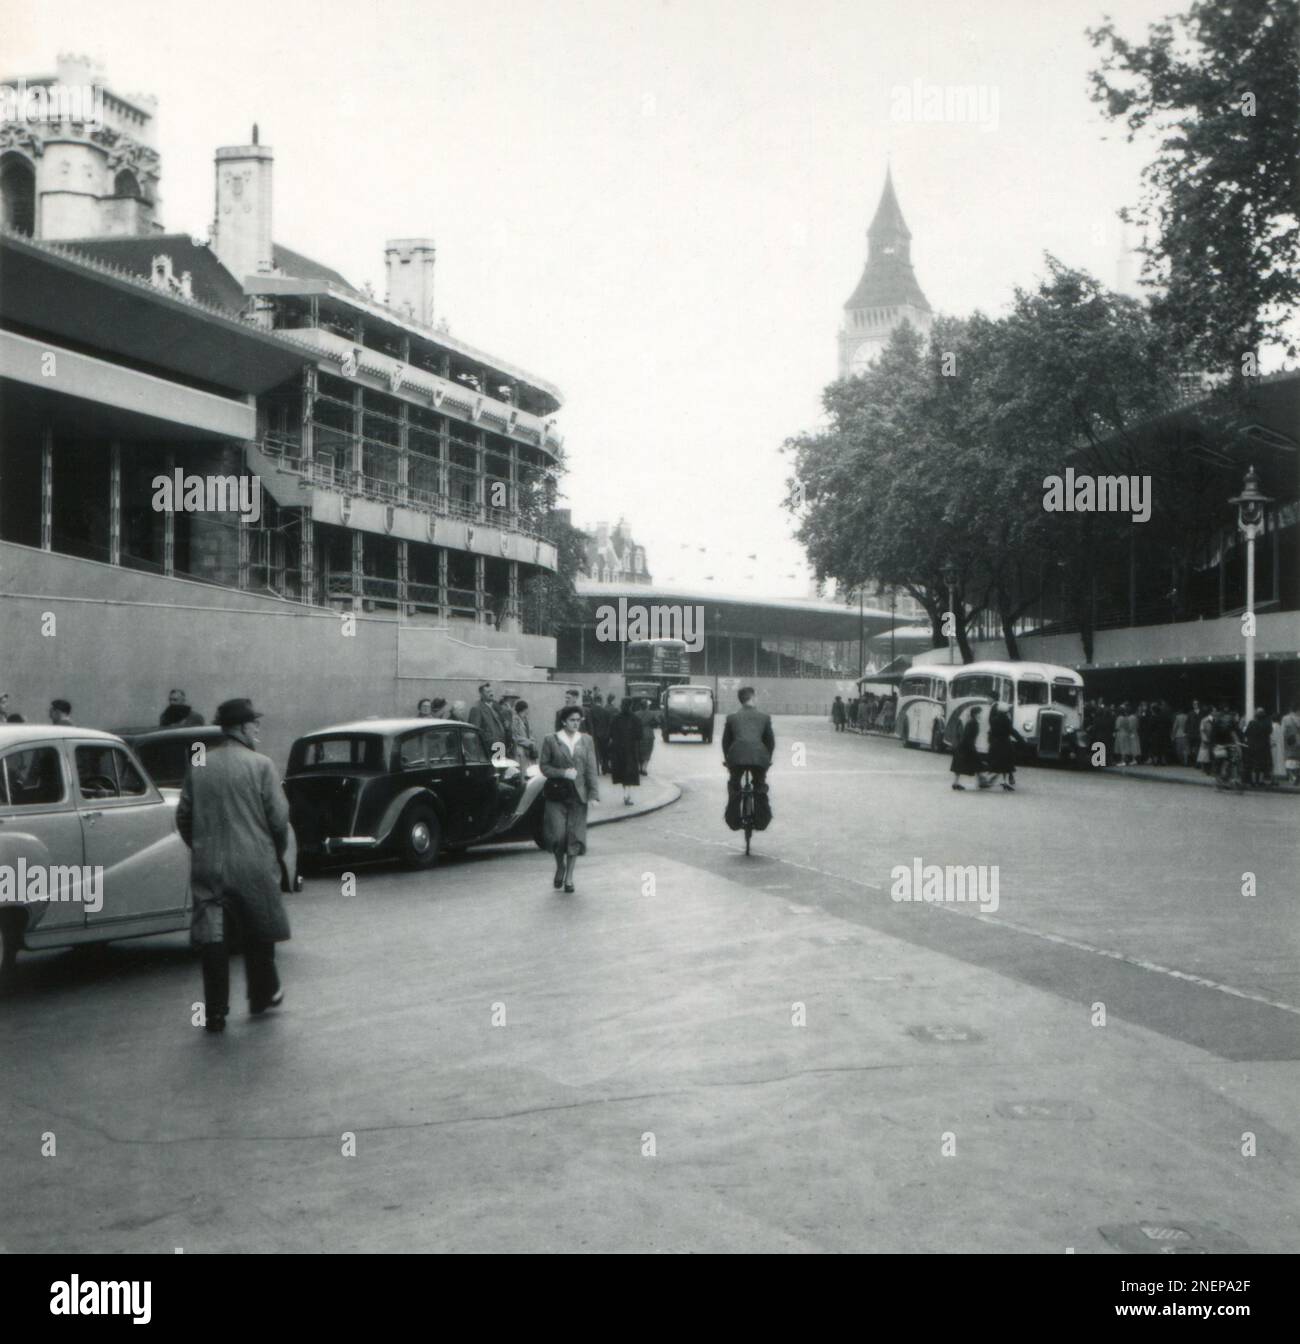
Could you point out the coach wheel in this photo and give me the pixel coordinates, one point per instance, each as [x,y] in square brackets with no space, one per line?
[418,836]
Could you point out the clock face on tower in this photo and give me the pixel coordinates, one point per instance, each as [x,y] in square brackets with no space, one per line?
[862,357]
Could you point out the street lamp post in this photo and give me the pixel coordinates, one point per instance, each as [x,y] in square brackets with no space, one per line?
[1251,504]
[950,579]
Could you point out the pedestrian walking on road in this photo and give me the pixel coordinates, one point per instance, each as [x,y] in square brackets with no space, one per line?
[965,756]
[1002,749]
[838,715]
[572,784]
[625,750]
[234,817]
[648,717]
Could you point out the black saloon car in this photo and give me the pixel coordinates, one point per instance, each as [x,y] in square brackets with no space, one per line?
[166,753]
[406,788]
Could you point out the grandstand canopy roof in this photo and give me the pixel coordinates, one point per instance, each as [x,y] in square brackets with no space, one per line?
[729,613]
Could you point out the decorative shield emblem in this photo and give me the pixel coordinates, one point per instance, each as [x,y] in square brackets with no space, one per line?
[345,507]
[395,376]
[477,409]
[469,535]
[512,422]
[389,514]
[505,543]
[439,393]
[431,523]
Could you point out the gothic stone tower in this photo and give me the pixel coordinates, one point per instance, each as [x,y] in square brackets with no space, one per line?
[96,177]
[888,293]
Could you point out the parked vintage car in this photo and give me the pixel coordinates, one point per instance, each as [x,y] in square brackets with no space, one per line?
[406,788]
[166,752]
[688,709]
[89,850]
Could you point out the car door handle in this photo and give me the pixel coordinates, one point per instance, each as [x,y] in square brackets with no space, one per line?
[91,817]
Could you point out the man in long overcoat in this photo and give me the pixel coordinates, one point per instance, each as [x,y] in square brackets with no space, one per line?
[234,817]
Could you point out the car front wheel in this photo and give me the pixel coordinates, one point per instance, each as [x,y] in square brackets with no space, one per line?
[418,836]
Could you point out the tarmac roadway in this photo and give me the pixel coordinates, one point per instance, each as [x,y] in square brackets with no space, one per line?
[700,1051]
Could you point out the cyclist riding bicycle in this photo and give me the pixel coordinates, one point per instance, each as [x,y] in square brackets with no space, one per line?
[747,745]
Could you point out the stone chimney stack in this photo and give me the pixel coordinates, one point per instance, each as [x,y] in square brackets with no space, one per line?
[241,229]
[408,263]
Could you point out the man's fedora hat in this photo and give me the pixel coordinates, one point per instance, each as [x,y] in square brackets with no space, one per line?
[231,713]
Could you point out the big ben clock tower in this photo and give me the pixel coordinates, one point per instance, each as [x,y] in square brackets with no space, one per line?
[888,293]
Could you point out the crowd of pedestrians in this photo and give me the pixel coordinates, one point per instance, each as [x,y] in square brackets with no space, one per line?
[1156,733]
[869,713]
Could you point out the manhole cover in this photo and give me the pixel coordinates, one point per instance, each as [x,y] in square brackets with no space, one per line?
[1171,1239]
[945,1034]
[1048,1108]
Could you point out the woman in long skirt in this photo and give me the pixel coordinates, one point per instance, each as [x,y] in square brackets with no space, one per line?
[1002,751]
[965,757]
[625,750]
[569,755]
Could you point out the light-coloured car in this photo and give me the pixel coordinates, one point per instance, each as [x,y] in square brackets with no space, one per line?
[89,849]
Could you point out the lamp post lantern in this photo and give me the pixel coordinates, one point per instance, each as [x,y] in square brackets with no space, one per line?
[1251,504]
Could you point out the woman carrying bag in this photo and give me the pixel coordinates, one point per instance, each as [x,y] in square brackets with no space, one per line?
[572,782]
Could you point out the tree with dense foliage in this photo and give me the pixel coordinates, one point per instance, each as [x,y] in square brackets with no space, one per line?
[1220,87]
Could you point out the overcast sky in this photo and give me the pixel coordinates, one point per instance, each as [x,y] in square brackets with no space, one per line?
[659,206]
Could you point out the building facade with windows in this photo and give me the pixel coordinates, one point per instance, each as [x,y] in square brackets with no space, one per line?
[405,478]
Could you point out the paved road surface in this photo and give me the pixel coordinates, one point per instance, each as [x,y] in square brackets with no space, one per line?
[699,1051]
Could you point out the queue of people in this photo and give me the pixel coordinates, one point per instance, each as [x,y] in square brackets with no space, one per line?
[869,713]
[1156,733]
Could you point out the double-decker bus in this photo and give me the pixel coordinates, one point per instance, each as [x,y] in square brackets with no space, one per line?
[923,705]
[650,666]
[1046,702]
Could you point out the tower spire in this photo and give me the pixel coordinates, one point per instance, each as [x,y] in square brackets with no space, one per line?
[888,292]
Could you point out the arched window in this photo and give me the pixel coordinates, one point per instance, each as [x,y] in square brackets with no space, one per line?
[18,193]
[126,184]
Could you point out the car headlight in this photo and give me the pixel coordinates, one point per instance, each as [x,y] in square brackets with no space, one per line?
[1027,726]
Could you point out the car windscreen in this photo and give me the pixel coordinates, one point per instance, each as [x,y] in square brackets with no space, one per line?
[1031,693]
[361,751]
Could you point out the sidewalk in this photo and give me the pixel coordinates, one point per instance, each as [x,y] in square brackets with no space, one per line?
[651,794]
[1163,774]
[1182,774]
